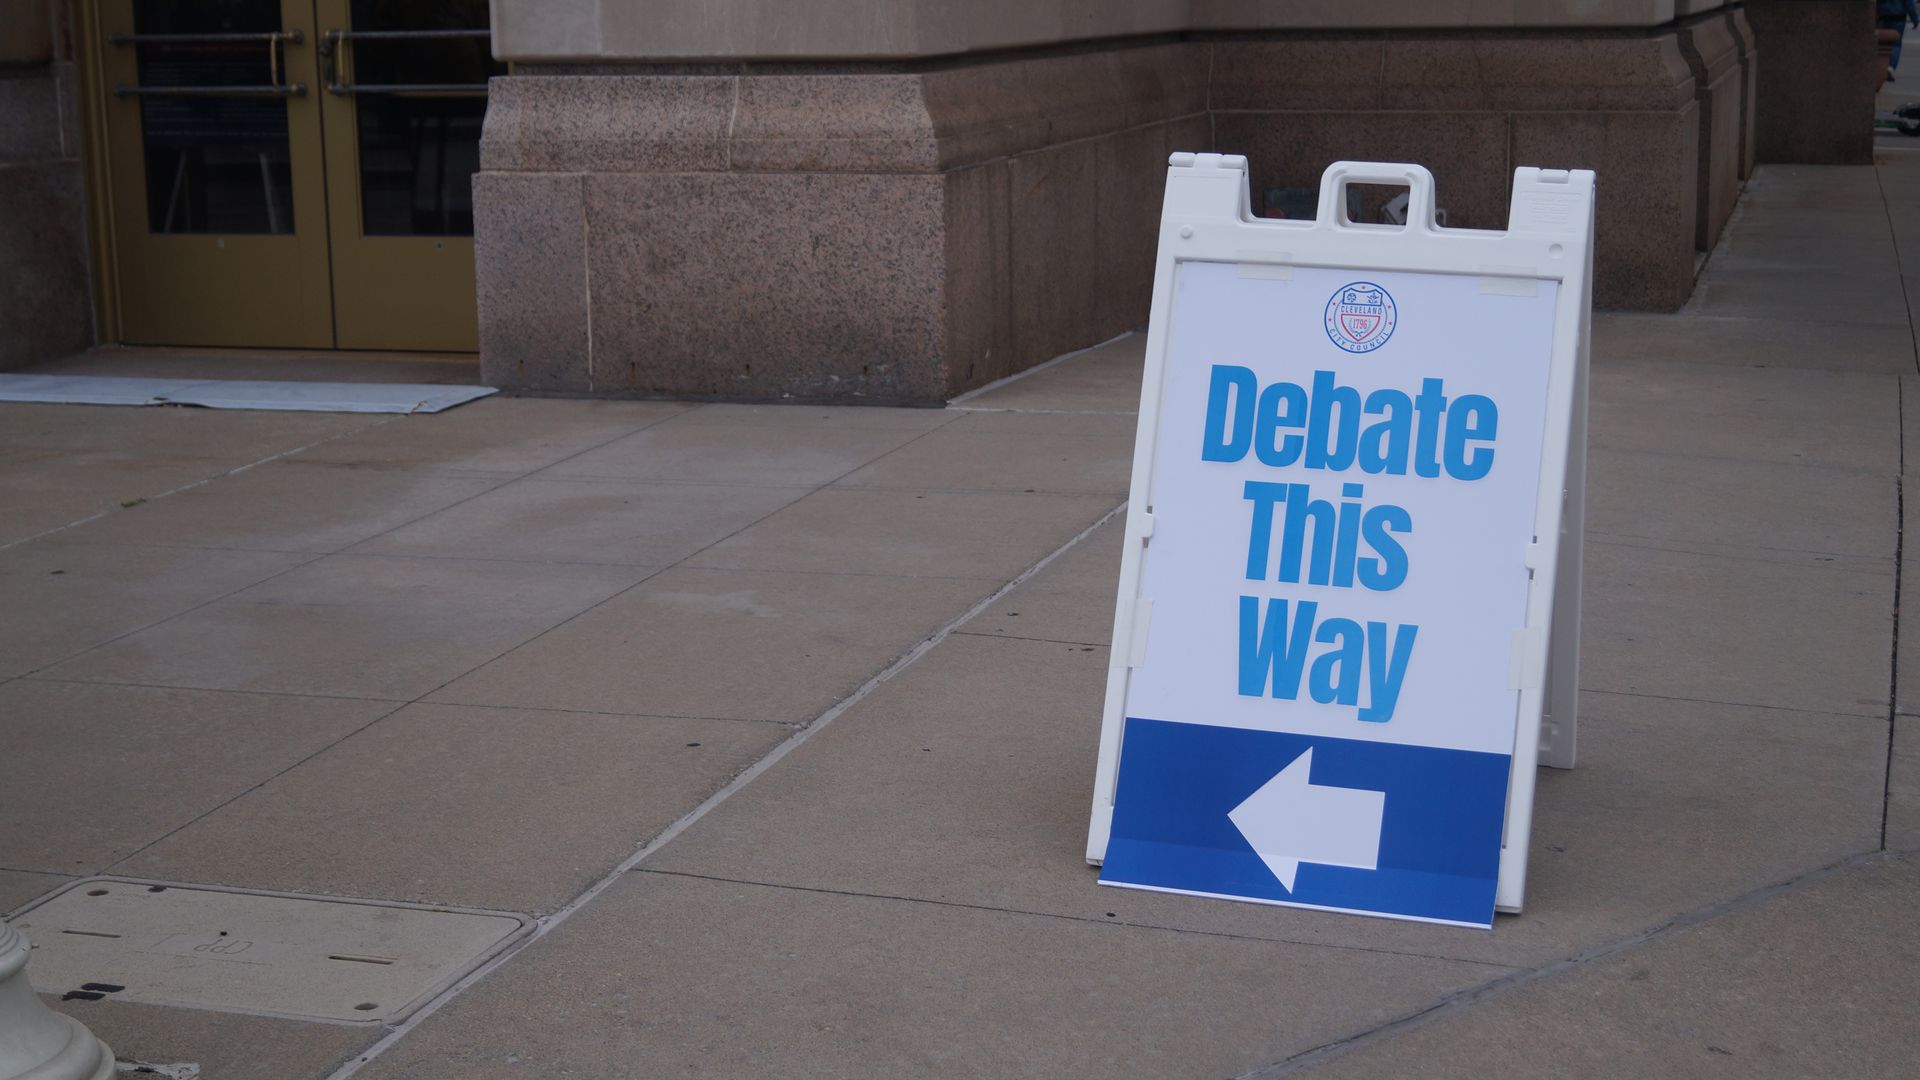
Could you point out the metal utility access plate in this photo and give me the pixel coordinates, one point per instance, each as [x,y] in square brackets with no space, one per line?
[237,394]
[342,960]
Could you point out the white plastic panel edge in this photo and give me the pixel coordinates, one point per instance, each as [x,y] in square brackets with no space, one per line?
[1207,217]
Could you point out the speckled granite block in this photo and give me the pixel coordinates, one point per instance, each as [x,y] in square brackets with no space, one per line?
[1815,89]
[979,277]
[45,298]
[30,34]
[985,111]
[1749,85]
[1132,182]
[30,120]
[1471,107]
[531,272]
[606,123]
[1055,262]
[1589,71]
[1467,152]
[833,123]
[768,285]
[1646,198]
[904,232]
[1189,133]
[1300,73]
[1714,55]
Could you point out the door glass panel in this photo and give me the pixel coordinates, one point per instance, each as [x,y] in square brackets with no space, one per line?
[420,147]
[214,164]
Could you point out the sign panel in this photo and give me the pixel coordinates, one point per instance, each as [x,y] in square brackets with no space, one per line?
[1332,635]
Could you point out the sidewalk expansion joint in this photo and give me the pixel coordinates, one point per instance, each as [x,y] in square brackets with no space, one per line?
[1028,372]
[1463,1000]
[746,776]
[1874,715]
[202,482]
[1083,919]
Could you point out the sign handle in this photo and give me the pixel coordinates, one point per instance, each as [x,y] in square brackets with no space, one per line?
[1415,178]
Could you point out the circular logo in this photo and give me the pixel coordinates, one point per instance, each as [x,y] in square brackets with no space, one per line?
[1360,317]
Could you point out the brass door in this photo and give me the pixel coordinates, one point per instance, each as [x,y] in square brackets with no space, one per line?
[294,173]
[406,88]
[213,158]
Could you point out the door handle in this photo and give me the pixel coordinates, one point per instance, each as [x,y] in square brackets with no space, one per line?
[276,42]
[334,43]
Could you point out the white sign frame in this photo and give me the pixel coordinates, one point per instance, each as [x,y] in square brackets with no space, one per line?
[1207,217]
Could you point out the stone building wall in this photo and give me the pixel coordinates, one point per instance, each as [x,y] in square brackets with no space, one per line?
[45,304]
[904,230]
[1815,93]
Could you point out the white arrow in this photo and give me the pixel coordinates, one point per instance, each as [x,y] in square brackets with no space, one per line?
[1290,821]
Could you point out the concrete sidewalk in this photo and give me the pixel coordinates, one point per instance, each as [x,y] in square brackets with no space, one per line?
[782,720]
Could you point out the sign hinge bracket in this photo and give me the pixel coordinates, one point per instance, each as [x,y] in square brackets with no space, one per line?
[1527,659]
[1142,619]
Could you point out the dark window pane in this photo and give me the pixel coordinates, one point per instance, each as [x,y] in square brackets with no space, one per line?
[213,164]
[420,148]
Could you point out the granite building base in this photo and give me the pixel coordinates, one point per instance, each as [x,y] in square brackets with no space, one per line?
[902,233]
[1713,52]
[1473,108]
[1816,89]
[883,237]
[46,303]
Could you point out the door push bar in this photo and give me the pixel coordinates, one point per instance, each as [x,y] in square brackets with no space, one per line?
[333,46]
[275,41]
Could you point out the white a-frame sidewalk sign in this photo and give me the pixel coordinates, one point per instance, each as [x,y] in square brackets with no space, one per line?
[1348,623]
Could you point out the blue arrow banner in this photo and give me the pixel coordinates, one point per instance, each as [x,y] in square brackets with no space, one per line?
[1179,826]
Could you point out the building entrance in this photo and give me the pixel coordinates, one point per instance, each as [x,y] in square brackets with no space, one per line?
[293,173]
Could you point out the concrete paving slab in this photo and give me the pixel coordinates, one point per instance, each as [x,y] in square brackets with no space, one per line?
[83,433]
[502,809]
[1071,600]
[1001,735]
[503,436]
[94,773]
[658,978]
[61,599]
[1116,425]
[1102,379]
[19,887]
[727,644]
[1815,188]
[1733,629]
[980,452]
[861,416]
[1861,224]
[1751,342]
[1910,424]
[1903,785]
[1907,645]
[1818,981]
[1762,506]
[37,497]
[534,519]
[287,506]
[26,513]
[361,626]
[1842,420]
[1821,241]
[1785,293]
[974,534]
[223,1045]
[1852,242]
[698,450]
